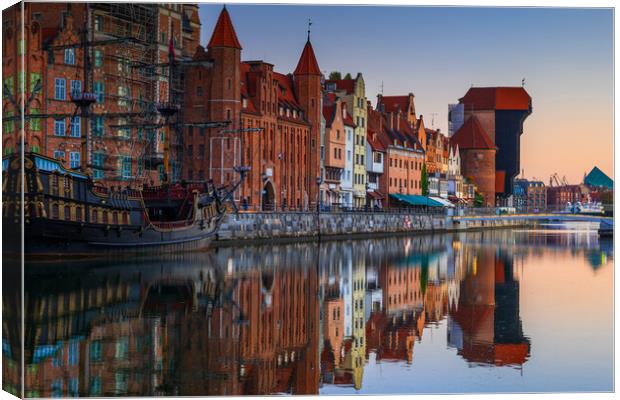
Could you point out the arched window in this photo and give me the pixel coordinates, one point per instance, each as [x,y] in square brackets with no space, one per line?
[67,213]
[94,217]
[55,211]
[105,217]
[115,218]
[78,214]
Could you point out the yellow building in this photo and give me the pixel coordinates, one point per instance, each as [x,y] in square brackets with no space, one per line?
[353,93]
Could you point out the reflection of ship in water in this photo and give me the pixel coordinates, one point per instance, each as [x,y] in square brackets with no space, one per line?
[484,325]
[209,329]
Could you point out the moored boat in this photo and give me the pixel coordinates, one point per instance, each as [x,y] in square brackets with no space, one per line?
[66,213]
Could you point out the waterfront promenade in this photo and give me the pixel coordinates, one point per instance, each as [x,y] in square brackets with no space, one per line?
[299,225]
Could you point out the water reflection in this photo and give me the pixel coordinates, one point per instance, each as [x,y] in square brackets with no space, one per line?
[276,319]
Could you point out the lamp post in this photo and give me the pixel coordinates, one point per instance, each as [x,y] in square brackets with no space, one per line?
[319,181]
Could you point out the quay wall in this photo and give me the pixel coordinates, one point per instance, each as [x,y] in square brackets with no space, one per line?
[266,226]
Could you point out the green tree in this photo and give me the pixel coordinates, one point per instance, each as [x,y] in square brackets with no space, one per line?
[335,76]
[348,76]
[478,200]
[424,180]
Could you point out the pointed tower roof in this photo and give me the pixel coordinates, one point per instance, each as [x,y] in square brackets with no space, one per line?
[224,33]
[307,64]
[472,136]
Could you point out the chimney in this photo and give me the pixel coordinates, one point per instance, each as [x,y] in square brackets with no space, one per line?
[397,116]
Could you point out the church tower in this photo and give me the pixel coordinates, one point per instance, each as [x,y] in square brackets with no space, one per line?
[308,87]
[224,98]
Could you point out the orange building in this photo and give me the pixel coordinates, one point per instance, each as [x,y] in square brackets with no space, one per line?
[334,142]
[274,123]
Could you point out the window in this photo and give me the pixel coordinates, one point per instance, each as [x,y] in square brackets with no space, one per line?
[95,385]
[98,23]
[76,88]
[60,89]
[199,91]
[121,382]
[56,387]
[122,347]
[123,96]
[98,90]
[201,151]
[98,58]
[75,126]
[74,159]
[97,126]
[60,127]
[59,155]
[125,167]
[70,56]
[190,150]
[348,155]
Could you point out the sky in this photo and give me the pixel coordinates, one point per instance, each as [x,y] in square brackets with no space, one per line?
[438,53]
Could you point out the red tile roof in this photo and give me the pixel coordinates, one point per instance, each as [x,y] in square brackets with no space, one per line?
[329,112]
[472,136]
[224,33]
[307,62]
[348,85]
[496,98]
[392,103]
[288,97]
[347,120]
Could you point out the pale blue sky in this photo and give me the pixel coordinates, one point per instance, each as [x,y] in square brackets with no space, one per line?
[565,56]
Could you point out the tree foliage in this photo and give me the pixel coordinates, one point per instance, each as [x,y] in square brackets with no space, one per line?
[335,76]
[348,76]
[424,180]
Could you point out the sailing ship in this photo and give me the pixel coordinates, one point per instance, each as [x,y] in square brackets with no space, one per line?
[66,213]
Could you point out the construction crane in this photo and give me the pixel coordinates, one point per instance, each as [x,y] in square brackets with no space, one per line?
[554,178]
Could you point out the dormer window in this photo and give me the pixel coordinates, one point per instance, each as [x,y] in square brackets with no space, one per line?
[245,103]
[288,112]
[331,86]
[294,113]
[281,111]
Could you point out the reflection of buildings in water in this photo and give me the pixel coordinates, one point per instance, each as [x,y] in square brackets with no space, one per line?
[246,332]
[342,355]
[485,327]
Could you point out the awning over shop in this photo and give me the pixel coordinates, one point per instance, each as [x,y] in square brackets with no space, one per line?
[456,200]
[375,195]
[445,202]
[416,200]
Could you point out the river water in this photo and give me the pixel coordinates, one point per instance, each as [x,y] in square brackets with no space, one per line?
[492,311]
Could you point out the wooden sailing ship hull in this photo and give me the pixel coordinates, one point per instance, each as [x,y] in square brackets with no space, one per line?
[65,214]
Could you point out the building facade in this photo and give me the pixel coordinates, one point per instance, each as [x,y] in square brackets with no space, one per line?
[275,123]
[96,105]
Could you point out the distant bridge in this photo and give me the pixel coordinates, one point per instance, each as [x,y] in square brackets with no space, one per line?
[605,223]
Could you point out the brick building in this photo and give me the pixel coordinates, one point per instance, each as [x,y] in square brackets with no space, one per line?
[122,140]
[274,123]
[404,153]
[501,113]
[477,153]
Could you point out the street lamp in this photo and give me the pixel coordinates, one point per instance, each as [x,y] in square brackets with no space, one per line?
[319,181]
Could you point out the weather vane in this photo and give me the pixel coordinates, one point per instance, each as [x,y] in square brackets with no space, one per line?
[309,25]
